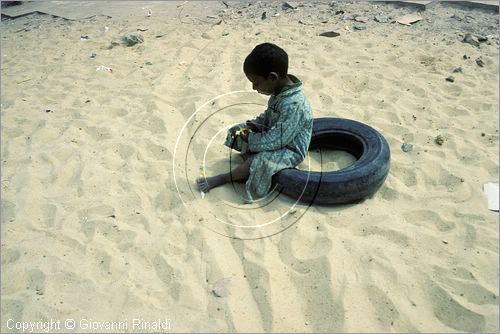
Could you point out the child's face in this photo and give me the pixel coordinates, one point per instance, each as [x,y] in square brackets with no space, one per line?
[263,85]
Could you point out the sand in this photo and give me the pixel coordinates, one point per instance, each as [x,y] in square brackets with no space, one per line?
[101,222]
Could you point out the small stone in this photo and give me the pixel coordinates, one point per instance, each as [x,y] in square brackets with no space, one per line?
[483,134]
[466,57]
[263,17]
[206,35]
[93,55]
[439,140]
[480,62]
[359,27]
[381,19]
[407,147]
[450,79]
[148,63]
[289,5]
[481,38]
[132,39]
[457,70]
[225,34]
[471,39]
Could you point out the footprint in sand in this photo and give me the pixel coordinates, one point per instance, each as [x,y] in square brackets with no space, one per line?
[8,211]
[166,274]
[451,313]
[313,283]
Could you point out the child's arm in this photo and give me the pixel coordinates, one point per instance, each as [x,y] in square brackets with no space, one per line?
[257,124]
[255,127]
[289,123]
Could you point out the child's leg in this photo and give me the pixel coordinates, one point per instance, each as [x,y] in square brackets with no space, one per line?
[238,174]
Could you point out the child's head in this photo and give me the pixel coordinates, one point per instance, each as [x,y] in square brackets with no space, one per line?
[266,66]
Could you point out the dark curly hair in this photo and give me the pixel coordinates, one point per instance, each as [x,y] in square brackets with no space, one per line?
[266,58]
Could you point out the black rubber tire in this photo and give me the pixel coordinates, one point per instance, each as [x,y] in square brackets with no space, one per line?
[353,183]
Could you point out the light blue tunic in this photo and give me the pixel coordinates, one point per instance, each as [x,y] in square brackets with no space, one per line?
[288,120]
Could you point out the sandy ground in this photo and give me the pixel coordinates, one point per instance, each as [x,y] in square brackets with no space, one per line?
[101,223]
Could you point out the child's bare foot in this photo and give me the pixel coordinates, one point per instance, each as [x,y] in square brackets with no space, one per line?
[202,184]
[206,183]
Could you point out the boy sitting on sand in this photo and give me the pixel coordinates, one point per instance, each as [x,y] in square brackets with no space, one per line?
[279,137]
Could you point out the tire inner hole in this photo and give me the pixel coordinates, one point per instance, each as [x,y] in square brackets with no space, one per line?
[332,151]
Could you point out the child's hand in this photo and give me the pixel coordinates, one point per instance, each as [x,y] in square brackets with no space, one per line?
[244,136]
[254,126]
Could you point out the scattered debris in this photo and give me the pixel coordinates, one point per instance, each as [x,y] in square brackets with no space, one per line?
[263,17]
[457,70]
[409,19]
[439,140]
[359,27]
[104,68]
[147,62]
[361,19]
[93,55]
[84,37]
[444,242]
[471,39]
[150,12]
[113,44]
[407,147]
[225,34]
[131,39]
[329,34]
[466,57]
[491,190]
[142,29]
[25,80]
[450,79]
[480,62]
[339,12]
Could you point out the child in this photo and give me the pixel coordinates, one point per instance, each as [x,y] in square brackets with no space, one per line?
[278,138]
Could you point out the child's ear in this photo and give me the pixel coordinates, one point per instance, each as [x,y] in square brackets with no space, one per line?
[273,76]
